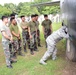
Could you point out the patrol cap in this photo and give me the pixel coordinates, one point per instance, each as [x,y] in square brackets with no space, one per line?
[33,15]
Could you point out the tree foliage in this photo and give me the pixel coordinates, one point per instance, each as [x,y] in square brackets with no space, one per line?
[26,9]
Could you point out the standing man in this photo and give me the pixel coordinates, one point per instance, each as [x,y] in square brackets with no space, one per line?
[16,37]
[6,39]
[38,31]
[47,27]
[9,23]
[25,33]
[32,33]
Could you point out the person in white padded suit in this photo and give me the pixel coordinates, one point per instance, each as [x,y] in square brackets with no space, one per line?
[51,43]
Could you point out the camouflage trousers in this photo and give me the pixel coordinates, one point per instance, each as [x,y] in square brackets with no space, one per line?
[6,52]
[25,36]
[15,47]
[33,44]
[10,48]
[47,32]
[38,37]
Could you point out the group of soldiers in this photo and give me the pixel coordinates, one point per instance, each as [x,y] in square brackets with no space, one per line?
[11,36]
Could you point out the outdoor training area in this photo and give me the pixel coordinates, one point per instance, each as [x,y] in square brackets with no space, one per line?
[38,37]
[29,65]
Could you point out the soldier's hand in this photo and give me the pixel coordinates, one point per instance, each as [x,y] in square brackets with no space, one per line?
[30,37]
[11,40]
[19,38]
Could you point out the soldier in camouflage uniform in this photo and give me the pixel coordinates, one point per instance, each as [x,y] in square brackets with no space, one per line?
[6,39]
[16,38]
[32,33]
[38,31]
[47,27]
[9,23]
[25,33]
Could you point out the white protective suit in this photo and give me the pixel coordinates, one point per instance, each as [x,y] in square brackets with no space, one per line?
[51,43]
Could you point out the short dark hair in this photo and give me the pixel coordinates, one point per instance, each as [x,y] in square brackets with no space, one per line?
[12,15]
[32,15]
[22,16]
[36,15]
[12,19]
[3,17]
[45,15]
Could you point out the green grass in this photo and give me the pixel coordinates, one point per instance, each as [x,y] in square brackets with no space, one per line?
[29,65]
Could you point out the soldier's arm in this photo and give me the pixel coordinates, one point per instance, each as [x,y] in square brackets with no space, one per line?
[11,37]
[29,32]
[5,35]
[17,35]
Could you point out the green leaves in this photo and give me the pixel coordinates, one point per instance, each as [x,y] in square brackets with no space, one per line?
[26,9]
[4,11]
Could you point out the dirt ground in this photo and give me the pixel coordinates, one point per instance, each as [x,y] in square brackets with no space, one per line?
[70,68]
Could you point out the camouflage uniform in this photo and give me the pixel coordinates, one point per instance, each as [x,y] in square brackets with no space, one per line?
[38,33]
[46,24]
[33,45]
[5,43]
[51,43]
[25,35]
[16,46]
[10,44]
[47,31]
[16,42]
[10,48]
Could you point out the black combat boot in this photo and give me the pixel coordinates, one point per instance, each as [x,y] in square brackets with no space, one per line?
[20,53]
[13,60]
[31,51]
[39,45]
[14,55]
[25,48]
[9,66]
[35,48]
